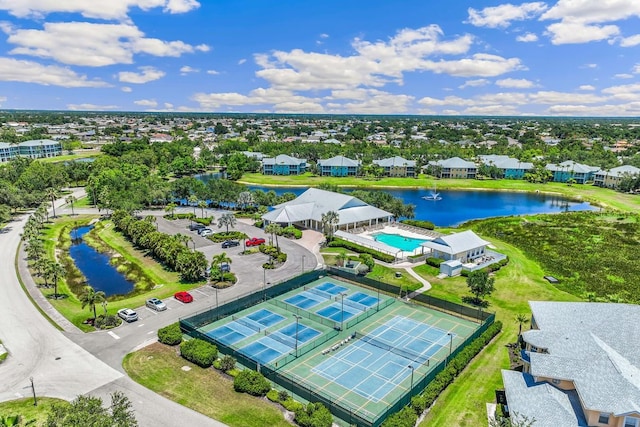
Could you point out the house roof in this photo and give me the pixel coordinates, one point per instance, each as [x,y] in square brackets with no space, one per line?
[338,161]
[395,161]
[454,163]
[7,145]
[621,170]
[282,159]
[314,202]
[541,401]
[505,162]
[38,142]
[571,166]
[456,243]
[595,345]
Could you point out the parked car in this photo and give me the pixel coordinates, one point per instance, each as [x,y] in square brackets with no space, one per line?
[230,243]
[255,241]
[128,315]
[183,296]
[203,229]
[225,268]
[206,232]
[195,226]
[156,304]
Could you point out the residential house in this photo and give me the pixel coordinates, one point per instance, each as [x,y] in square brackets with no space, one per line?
[339,166]
[568,170]
[581,366]
[40,148]
[510,168]
[454,167]
[612,177]
[283,165]
[465,247]
[307,209]
[397,166]
[8,151]
[254,155]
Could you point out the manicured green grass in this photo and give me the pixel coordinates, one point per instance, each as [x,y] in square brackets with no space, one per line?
[601,196]
[159,368]
[24,408]
[82,202]
[463,403]
[67,157]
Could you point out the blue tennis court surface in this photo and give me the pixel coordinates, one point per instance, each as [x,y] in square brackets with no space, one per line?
[334,312]
[266,349]
[304,300]
[331,288]
[305,333]
[231,333]
[363,299]
[265,317]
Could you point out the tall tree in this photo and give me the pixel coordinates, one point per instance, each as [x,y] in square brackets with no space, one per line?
[227,220]
[52,194]
[55,271]
[90,297]
[329,221]
[87,411]
[71,199]
[274,229]
[480,284]
[522,319]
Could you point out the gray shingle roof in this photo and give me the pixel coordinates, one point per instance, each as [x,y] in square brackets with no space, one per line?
[455,163]
[505,162]
[456,243]
[339,161]
[282,159]
[394,161]
[620,170]
[570,166]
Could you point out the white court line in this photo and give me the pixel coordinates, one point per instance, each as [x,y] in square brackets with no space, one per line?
[113,335]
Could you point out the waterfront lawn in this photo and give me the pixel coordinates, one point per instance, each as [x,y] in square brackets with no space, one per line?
[26,410]
[159,368]
[463,402]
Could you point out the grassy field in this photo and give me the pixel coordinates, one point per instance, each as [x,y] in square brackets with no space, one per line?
[25,408]
[463,403]
[68,157]
[600,196]
[159,368]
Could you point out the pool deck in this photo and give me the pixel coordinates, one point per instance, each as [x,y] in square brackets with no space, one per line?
[388,229]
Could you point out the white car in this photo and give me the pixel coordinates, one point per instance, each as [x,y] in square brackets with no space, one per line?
[156,304]
[206,232]
[127,315]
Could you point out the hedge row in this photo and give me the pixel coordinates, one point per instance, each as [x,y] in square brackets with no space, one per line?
[314,415]
[490,268]
[251,382]
[231,235]
[170,335]
[199,352]
[419,223]
[337,242]
[419,403]
[434,262]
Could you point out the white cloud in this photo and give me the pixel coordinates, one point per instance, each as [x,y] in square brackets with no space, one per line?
[91,107]
[474,83]
[636,69]
[213,72]
[259,96]
[188,70]
[480,64]
[126,89]
[147,74]
[491,110]
[568,32]
[242,61]
[630,41]
[111,9]
[626,109]
[589,66]
[168,105]
[515,83]
[324,36]
[501,16]
[587,87]
[146,103]
[13,70]
[93,44]
[527,38]
[623,76]
[553,97]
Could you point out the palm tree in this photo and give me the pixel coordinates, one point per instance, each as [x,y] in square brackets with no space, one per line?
[245,199]
[34,249]
[52,194]
[228,220]
[202,204]
[171,207]
[182,238]
[71,199]
[193,201]
[55,270]
[522,319]
[217,261]
[341,258]
[329,221]
[274,229]
[90,297]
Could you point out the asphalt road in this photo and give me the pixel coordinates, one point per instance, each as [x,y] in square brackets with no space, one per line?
[67,364]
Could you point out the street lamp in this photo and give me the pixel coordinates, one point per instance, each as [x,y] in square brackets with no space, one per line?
[302,264]
[378,307]
[216,288]
[411,389]
[342,295]
[33,389]
[264,283]
[297,323]
[450,347]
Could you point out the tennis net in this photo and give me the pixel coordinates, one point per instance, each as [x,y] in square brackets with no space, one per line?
[323,294]
[246,323]
[400,352]
[281,339]
[355,305]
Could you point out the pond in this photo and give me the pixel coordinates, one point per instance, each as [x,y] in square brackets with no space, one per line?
[458,206]
[95,266]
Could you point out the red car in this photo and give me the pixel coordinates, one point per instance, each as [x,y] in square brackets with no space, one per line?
[255,241]
[183,296]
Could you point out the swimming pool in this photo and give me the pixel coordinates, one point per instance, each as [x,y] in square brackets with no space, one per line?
[404,243]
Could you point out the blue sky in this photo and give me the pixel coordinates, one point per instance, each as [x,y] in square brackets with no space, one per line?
[559,57]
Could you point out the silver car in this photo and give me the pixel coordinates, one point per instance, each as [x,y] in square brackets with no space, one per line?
[127,315]
[156,304]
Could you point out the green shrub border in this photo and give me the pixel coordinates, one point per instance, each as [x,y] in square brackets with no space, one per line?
[337,242]
[428,225]
[408,415]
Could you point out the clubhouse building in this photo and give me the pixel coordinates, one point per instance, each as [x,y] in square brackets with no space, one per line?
[34,149]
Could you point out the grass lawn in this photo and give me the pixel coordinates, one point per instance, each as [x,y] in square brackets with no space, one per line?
[67,157]
[82,202]
[600,196]
[25,408]
[167,282]
[159,368]
[463,402]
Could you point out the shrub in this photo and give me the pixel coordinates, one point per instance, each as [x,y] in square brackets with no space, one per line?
[251,382]
[268,266]
[170,335]
[273,395]
[419,223]
[314,415]
[180,216]
[258,223]
[434,262]
[282,257]
[291,231]
[229,277]
[232,235]
[199,352]
[107,322]
[227,363]
[203,221]
[291,405]
[405,418]
[337,242]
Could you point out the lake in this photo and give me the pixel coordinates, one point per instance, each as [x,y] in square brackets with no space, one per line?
[95,266]
[458,206]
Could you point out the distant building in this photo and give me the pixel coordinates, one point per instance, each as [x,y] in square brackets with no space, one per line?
[464,247]
[339,166]
[571,170]
[283,165]
[8,151]
[254,155]
[612,178]
[510,168]
[40,148]
[397,166]
[581,366]
[454,167]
